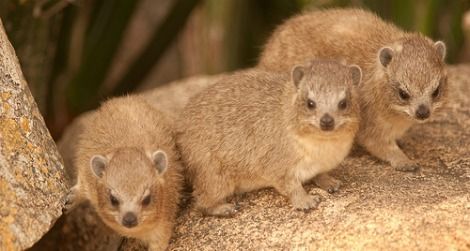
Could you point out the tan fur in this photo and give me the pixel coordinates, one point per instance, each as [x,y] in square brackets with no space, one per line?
[357,36]
[253,129]
[127,131]
[67,144]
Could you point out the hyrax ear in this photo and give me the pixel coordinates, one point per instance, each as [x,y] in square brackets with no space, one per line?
[441,49]
[297,74]
[356,74]
[385,55]
[160,161]
[98,165]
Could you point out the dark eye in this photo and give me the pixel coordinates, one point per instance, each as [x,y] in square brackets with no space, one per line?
[311,104]
[343,104]
[114,200]
[436,92]
[146,201]
[403,94]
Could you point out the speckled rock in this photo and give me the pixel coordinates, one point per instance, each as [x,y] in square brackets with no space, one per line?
[31,172]
[377,208]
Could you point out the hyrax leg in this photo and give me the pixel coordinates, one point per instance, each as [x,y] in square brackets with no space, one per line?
[388,150]
[73,198]
[153,246]
[327,183]
[159,239]
[300,199]
[210,192]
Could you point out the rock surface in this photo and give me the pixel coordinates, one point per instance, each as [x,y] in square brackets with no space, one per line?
[32,182]
[377,207]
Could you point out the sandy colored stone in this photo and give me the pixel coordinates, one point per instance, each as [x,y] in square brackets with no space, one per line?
[377,208]
[31,172]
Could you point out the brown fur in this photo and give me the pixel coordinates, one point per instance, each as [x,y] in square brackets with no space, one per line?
[67,144]
[253,129]
[357,36]
[126,131]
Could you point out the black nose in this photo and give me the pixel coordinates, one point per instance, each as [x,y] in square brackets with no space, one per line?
[422,112]
[129,220]
[327,123]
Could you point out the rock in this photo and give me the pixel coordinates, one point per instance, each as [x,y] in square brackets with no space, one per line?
[32,179]
[377,207]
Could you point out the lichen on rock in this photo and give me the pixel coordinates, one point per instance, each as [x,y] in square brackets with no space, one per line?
[32,181]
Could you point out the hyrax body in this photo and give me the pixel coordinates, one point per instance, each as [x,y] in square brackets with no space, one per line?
[257,129]
[67,145]
[128,170]
[404,75]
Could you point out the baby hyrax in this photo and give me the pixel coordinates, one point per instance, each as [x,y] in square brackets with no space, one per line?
[404,75]
[257,129]
[128,170]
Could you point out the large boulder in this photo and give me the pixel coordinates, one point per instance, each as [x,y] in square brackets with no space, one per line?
[32,181]
[377,207]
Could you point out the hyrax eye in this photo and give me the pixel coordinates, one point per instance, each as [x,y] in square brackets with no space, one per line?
[403,94]
[311,104]
[343,104]
[114,201]
[146,201]
[436,92]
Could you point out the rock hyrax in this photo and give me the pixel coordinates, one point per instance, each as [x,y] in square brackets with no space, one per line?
[258,129]
[128,170]
[404,74]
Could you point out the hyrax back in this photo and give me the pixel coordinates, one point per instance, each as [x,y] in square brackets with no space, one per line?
[67,145]
[404,75]
[128,169]
[257,129]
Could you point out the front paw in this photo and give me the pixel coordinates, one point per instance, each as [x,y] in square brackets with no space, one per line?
[71,201]
[327,183]
[157,246]
[407,167]
[223,210]
[306,202]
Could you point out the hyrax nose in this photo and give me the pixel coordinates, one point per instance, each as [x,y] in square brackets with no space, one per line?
[327,123]
[422,112]
[129,220]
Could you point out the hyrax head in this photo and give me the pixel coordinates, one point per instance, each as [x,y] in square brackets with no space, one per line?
[416,80]
[326,99]
[128,186]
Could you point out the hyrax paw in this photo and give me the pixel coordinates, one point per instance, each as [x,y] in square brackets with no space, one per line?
[328,184]
[306,202]
[70,201]
[407,167]
[333,189]
[224,210]
[156,246]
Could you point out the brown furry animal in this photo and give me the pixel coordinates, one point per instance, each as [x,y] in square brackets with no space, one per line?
[404,75]
[256,129]
[128,170]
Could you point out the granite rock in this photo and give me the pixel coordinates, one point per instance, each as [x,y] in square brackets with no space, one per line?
[377,207]
[32,180]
